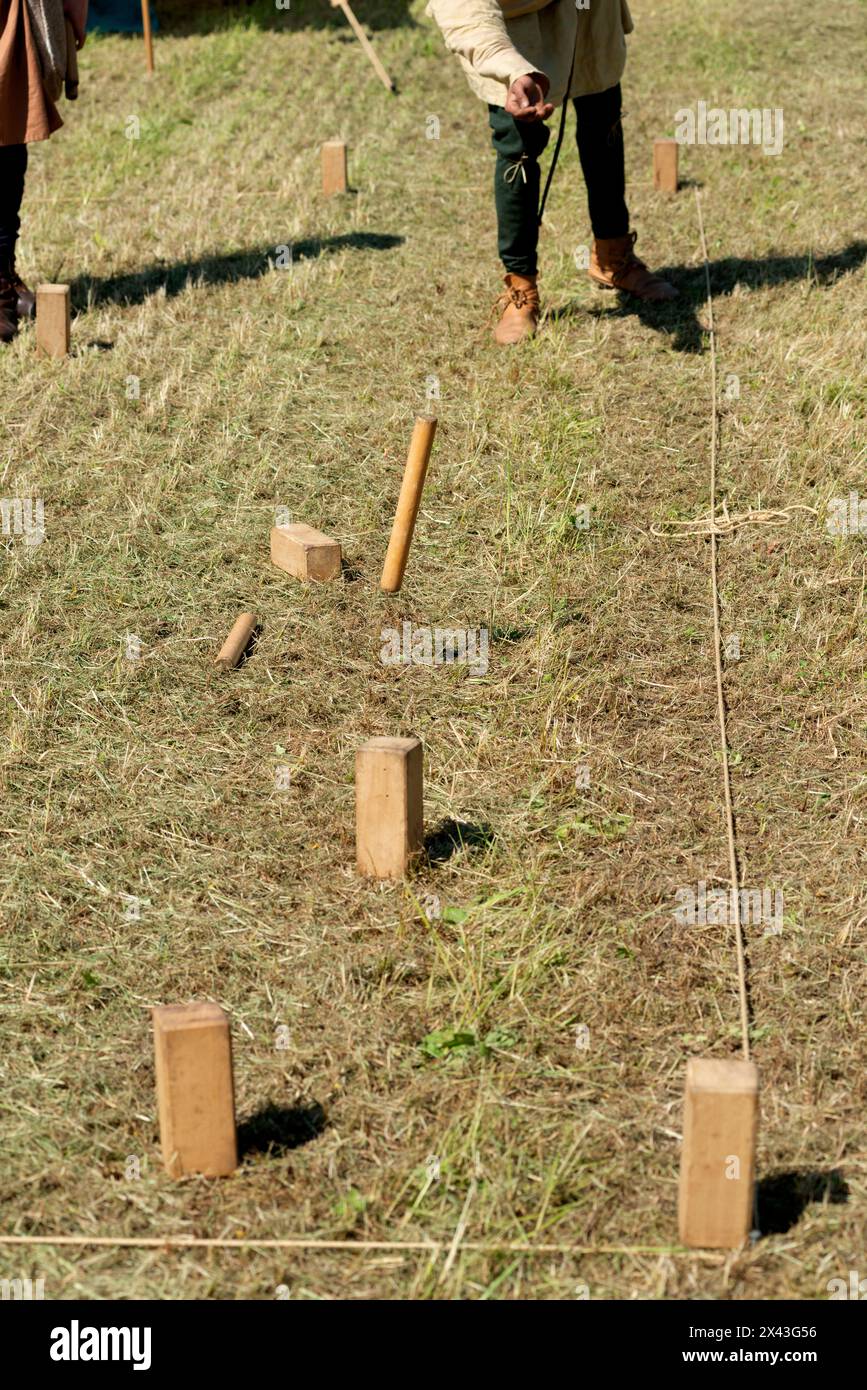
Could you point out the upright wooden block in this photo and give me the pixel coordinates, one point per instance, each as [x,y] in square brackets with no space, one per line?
[333,167]
[389,814]
[52,320]
[305,552]
[665,165]
[717,1166]
[195,1092]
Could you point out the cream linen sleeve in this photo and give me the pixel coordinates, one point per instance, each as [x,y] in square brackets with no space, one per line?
[476,30]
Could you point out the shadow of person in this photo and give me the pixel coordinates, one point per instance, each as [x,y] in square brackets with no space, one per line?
[680,318]
[88,291]
[782,1198]
[277,1129]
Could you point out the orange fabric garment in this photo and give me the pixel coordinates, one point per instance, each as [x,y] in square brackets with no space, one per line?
[26,113]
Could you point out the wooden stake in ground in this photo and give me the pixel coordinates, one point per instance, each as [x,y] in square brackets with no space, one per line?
[52,320]
[389,813]
[365,43]
[148,36]
[334,179]
[408,503]
[665,165]
[717,1166]
[304,552]
[195,1092]
[236,643]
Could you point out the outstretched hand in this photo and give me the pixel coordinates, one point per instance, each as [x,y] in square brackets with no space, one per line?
[526,99]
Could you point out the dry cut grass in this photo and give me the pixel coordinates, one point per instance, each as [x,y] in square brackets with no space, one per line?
[400,1070]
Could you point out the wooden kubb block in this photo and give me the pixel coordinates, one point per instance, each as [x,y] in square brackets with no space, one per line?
[52,320]
[665,165]
[389,806]
[717,1168]
[334,179]
[305,552]
[195,1091]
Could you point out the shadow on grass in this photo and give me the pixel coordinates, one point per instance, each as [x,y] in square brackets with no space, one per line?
[454,835]
[208,16]
[250,649]
[277,1129]
[511,634]
[139,285]
[782,1198]
[350,573]
[680,317]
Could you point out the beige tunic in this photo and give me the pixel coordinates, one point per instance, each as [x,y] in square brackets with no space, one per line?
[494,50]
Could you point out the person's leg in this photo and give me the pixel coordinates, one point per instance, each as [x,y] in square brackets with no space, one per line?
[518,145]
[600,147]
[613,262]
[13,167]
[13,163]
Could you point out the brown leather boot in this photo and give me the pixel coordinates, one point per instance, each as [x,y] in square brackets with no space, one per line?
[614,264]
[520,309]
[8,309]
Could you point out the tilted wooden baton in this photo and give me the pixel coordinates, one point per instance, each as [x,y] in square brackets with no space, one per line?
[408,503]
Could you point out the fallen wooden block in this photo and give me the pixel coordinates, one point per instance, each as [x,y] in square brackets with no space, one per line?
[389,812]
[237,641]
[52,320]
[305,552]
[334,167]
[195,1092]
[665,165]
[408,503]
[717,1166]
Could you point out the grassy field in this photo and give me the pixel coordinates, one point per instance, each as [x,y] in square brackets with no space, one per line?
[410,1060]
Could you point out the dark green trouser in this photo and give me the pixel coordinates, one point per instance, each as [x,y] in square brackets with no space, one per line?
[518,146]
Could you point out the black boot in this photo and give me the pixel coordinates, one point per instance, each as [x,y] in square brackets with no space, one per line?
[8,308]
[26,297]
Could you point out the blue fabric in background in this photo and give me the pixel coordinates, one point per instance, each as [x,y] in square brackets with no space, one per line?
[117,17]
